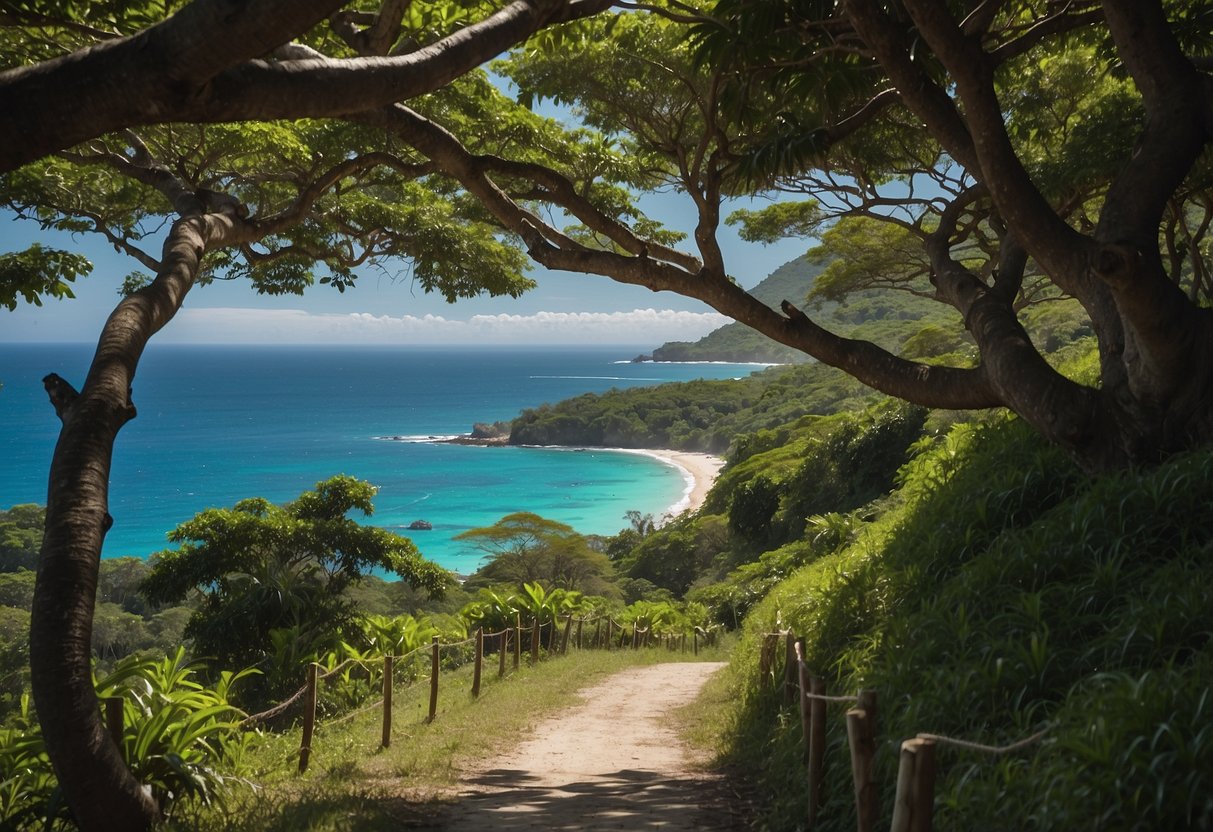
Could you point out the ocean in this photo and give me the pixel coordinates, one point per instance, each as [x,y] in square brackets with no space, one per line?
[217,424]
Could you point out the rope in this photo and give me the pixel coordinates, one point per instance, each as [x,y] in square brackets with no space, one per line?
[456,643]
[276,710]
[987,749]
[411,653]
[822,698]
[320,677]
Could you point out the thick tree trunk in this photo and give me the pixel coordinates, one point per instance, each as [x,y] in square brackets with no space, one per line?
[100,791]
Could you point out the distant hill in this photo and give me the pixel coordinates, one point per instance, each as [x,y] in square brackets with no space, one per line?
[889,319]
[737,342]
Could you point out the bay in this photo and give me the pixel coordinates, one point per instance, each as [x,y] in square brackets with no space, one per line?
[217,424]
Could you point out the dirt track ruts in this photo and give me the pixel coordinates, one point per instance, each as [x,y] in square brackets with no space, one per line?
[611,763]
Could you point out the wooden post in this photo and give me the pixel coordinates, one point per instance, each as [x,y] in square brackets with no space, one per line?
[682,645]
[568,630]
[388,662]
[695,634]
[861,735]
[635,636]
[817,745]
[309,718]
[580,623]
[790,675]
[536,631]
[479,663]
[434,659]
[517,640]
[597,633]
[610,625]
[805,686]
[766,659]
[113,721]
[914,808]
[503,639]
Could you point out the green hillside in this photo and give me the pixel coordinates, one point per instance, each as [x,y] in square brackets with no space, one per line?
[889,319]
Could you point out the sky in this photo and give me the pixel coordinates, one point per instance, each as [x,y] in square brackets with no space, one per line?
[565,308]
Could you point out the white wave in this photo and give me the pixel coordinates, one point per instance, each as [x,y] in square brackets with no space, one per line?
[421,439]
[605,378]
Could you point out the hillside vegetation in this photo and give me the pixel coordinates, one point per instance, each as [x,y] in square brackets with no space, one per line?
[963,569]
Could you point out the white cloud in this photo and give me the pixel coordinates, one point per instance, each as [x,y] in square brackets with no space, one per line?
[288,326]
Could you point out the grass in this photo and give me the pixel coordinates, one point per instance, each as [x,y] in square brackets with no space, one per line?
[1003,594]
[353,784]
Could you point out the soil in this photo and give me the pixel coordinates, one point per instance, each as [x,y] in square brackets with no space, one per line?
[615,762]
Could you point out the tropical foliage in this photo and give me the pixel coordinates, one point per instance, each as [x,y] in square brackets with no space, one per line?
[180,738]
[261,569]
[524,548]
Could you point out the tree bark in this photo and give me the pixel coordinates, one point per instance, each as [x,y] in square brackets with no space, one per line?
[203,64]
[98,788]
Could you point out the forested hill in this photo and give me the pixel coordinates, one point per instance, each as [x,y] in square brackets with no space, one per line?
[737,342]
[692,416]
[889,319]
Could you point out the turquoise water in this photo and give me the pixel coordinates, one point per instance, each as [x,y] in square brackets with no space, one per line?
[218,424]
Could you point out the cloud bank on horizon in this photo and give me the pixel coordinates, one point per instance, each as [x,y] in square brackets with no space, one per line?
[285,326]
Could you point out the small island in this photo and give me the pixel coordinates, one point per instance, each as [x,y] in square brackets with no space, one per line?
[421,525]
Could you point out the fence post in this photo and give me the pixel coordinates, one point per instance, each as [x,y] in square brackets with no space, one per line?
[806,720]
[479,663]
[790,676]
[434,660]
[503,640]
[535,634]
[817,745]
[682,643]
[388,662]
[580,623]
[914,808]
[610,625]
[309,718]
[568,630]
[766,659]
[517,640]
[695,633]
[113,721]
[861,735]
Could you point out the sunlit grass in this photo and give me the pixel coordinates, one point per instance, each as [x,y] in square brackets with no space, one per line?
[1004,594]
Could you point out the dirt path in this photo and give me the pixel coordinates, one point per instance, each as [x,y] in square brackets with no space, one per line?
[612,762]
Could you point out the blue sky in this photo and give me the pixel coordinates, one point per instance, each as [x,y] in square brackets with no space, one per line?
[564,308]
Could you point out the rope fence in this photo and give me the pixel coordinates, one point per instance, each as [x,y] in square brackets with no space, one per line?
[608,634]
[914,803]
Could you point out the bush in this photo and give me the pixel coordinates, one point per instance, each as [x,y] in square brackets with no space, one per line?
[181,739]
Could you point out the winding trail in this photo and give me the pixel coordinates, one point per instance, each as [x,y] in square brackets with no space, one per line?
[611,763]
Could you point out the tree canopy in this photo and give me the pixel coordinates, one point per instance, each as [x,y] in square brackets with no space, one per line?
[260,567]
[988,156]
[524,548]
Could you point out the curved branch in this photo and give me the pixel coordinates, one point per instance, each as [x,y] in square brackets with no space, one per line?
[145,79]
[1178,123]
[561,191]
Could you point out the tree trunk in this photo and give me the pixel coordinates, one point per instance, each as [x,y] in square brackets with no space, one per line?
[100,791]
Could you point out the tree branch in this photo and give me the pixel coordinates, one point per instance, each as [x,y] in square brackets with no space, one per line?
[150,79]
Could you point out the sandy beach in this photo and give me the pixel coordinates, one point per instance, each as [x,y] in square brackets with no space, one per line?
[698,470]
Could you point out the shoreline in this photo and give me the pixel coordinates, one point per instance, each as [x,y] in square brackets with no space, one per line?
[699,470]
[699,473]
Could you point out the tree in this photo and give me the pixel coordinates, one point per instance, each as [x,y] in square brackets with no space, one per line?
[20,536]
[78,79]
[524,548]
[261,568]
[1028,150]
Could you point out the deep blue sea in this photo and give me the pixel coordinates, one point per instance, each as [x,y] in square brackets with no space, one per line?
[218,424]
